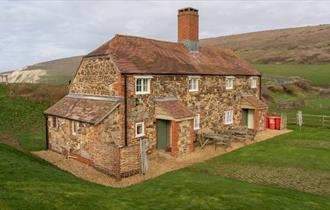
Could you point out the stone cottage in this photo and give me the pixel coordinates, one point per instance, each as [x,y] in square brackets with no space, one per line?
[164,92]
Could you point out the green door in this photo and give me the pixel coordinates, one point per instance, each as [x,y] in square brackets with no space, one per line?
[163,134]
[245,117]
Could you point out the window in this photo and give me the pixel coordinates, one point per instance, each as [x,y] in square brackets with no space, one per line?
[73,127]
[54,122]
[196,122]
[193,84]
[230,83]
[139,129]
[254,82]
[142,84]
[228,118]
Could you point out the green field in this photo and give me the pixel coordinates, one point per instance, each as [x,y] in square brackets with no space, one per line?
[27,182]
[319,74]
[22,121]
[287,172]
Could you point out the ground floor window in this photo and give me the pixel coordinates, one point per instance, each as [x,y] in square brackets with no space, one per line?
[54,122]
[73,127]
[196,122]
[139,129]
[228,117]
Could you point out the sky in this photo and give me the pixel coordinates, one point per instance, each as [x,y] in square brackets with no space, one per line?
[38,30]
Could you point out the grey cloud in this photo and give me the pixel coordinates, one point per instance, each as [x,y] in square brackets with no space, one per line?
[35,31]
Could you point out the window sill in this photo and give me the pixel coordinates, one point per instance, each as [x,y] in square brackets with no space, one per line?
[139,136]
[144,93]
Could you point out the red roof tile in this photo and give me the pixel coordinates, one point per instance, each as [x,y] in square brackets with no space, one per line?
[82,109]
[254,101]
[148,56]
[174,109]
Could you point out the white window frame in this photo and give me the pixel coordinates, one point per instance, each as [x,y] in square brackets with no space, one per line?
[73,127]
[143,79]
[192,79]
[254,82]
[228,117]
[136,129]
[230,86]
[197,122]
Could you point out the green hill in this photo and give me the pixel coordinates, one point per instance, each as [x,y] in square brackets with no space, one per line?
[303,45]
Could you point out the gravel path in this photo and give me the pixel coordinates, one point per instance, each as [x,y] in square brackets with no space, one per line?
[159,162]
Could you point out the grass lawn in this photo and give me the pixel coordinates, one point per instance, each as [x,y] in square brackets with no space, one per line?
[23,121]
[27,182]
[319,74]
[288,172]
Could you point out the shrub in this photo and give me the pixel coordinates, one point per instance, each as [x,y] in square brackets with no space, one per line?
[37,93]
[274,86]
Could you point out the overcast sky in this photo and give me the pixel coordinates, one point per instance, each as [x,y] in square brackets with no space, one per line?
[36,31]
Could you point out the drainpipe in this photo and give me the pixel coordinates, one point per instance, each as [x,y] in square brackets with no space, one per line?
[260,87]
[46,125]
[125,101]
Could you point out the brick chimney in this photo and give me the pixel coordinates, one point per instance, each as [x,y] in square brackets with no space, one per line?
[188,28]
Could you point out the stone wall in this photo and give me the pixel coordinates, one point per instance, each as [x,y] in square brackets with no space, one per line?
[130,160]
[210,101]
[185,139]
[262,118]
[97,76]
[98,145]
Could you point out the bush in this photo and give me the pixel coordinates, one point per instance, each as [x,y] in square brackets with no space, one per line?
[274,86]
[304,84]
[37,93]
[293,89]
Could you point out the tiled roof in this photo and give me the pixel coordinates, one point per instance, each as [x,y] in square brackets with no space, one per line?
[85,109]
[173,109]
[255,102]
[148,56]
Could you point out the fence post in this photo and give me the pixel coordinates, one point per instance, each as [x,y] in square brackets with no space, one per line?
[323,121]
[299,119]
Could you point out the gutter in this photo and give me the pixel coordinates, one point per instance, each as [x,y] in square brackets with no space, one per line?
[46,125]
[125,101]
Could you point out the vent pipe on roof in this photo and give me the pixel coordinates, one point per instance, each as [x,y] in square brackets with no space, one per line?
[188,28]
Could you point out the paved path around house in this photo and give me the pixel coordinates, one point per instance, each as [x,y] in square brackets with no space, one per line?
[159,162]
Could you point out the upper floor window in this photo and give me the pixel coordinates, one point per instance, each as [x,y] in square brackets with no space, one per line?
[230,83]
[197,122]
[228,117]
[142,84]
[193,84]
[254,81]
[139,129]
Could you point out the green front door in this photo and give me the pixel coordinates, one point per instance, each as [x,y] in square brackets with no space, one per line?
[245,117]
[163,134]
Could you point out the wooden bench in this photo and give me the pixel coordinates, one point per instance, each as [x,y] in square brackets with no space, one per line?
[218,139]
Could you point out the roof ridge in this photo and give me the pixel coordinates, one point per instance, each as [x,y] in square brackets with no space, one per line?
[149,39]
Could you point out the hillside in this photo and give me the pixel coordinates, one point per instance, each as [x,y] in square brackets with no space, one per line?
[58,71]
[304,45]
[301,45]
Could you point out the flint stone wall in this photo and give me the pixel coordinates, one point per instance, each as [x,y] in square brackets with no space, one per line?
[97,76]
[99,145]
[210,101]
[184,138]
